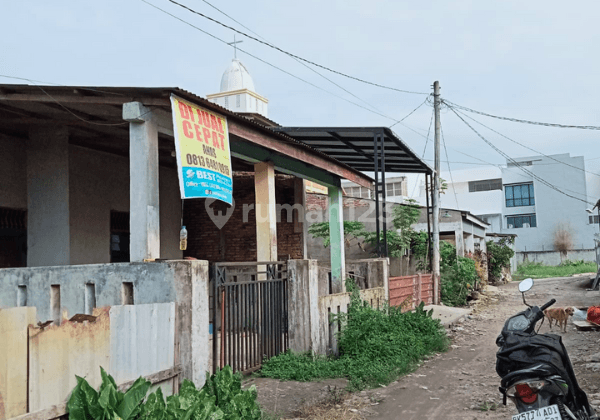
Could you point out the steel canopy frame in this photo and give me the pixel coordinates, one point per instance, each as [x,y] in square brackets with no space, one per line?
[369,149]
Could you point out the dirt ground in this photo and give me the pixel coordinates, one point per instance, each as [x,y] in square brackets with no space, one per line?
[459,384]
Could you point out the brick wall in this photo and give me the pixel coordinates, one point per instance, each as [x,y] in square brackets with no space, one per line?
[319,201]
[236,241]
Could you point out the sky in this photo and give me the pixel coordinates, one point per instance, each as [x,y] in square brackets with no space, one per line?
[536,60]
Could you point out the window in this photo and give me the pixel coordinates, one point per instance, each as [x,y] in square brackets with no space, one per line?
[594,219]
[394,189]
[517,163]
[357,192]
[119,236]
[237,101]
[521,221]
[485,185]
[519,195]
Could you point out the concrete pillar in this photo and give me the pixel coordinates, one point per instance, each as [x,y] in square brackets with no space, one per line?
[144,214]
[469,243]
[266,218]
[48,221]
[303,305]
[300,224]
[336,237]
[460,243]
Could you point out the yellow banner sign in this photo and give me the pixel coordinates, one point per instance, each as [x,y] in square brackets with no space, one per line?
[202,147]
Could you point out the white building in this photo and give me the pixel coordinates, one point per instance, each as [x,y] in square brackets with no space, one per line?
[528,202]
[238,93]
[396,189]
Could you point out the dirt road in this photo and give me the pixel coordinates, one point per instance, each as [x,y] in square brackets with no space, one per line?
[462,383]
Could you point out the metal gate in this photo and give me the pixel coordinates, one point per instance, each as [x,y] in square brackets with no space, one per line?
[250,313]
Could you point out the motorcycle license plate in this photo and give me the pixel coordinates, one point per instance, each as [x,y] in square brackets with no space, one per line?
[545,413]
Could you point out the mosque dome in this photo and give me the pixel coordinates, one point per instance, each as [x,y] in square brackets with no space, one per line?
[236,77]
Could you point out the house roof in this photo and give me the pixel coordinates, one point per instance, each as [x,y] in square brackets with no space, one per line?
[354,146]
[94,117]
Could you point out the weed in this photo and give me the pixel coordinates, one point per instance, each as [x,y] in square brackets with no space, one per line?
[376,346]
[566,269]
[488,406]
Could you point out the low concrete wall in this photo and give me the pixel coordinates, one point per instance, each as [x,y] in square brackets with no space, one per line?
[310,304]
[183,282]
[554,258]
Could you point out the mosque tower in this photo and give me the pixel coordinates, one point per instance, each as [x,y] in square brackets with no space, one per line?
[237,91]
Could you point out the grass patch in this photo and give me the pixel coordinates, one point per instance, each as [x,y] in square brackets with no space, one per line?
[376,346]
[566,269]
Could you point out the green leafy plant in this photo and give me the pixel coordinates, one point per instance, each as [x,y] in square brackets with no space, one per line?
[221,398]
[108,402]
[457,281]
[352,230]
[376,346]
[499,255]
[566,269]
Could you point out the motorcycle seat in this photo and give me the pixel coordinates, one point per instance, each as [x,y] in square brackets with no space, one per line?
[538,371]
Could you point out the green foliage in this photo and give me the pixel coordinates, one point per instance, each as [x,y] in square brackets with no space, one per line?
[448,256]
[221,398]
[376,346]
[457,281]
[352,230]
[566,269]
[499,255]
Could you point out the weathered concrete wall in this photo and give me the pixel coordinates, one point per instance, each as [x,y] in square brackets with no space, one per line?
[58,353]
[183,282]
[48,233]
[310,307]
[13,360]
[99,183]
[13,174]
[554,257]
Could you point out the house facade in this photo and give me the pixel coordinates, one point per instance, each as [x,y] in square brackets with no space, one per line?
[542,200]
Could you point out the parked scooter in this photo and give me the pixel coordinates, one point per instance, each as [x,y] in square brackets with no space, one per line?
[537,375]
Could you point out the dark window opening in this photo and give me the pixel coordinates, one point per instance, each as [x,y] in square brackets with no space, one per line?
[594,220]
[13,238]
[119,236]
[485,185]
[519,195]
[521,221]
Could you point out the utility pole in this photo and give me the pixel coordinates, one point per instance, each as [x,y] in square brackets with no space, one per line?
[436,197]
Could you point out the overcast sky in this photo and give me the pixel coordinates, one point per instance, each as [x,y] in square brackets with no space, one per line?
[535,60]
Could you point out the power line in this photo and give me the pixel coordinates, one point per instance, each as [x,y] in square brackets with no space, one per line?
[448,163]
[527,147]
[293,55]
[374,111]
[269,64]
[58,84]
[517,164]
[424,149]
[464,108]
[410,113]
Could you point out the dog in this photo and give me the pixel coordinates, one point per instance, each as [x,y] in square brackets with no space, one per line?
[560,316]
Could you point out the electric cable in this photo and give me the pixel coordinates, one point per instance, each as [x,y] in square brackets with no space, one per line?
[517,164]
[448,163]
[527,147]
[424,149]
[60,85]
[410,113]
[464,108]
[293,55]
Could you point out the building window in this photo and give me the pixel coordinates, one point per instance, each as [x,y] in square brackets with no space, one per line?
[237,101]
[358,192]
[519,195]
[521,221]
[485,185]
[594,219]
[394,189]
[517,163]
[119,236]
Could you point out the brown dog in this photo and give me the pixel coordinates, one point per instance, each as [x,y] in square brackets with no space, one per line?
[560,316]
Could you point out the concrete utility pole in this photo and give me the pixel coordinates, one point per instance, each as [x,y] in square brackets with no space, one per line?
[436,197]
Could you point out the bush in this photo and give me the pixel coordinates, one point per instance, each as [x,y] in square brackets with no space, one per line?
[221,398]
[499,255]
[376,346]
[457,281]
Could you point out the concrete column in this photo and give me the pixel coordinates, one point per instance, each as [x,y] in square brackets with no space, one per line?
[300,225]
[48,221]
[469,243]
[336,237]
[266,218]
[303,305]
[460,243]
[144,214]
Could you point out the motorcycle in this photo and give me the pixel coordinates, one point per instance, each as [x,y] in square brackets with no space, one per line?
[537,375]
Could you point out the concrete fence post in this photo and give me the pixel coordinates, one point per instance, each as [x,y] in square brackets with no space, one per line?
[303,308]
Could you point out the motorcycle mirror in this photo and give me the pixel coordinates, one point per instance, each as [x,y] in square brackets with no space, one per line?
[525,285]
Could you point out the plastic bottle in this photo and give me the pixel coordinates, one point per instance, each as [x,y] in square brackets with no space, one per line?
[183,234]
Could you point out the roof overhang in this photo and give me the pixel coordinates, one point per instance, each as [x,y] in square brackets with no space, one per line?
[94,116]
[355,146]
